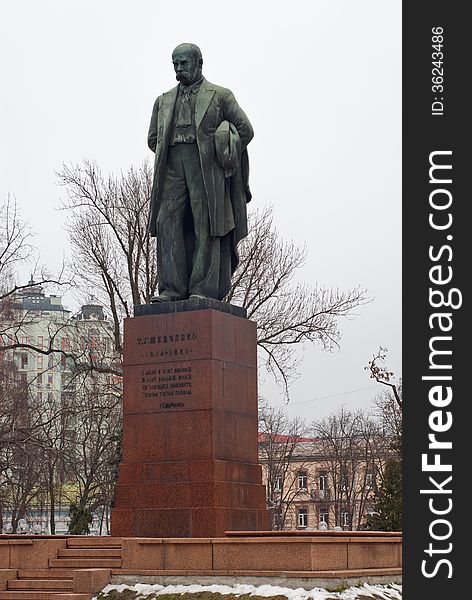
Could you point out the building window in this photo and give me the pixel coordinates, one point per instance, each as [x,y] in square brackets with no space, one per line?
[51,361]
[302,517]
[302,480]
[345,521]
[24,360]
[322,481]
[50,378]
[344,482]
[323,516]
[278,484]
[369,480]
[39,362]
[40,341]
[65,344]
[39,379]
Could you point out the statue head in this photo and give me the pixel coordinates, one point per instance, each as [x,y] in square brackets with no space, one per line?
[188,61]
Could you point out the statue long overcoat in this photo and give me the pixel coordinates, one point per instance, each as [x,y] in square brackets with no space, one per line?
[227,197]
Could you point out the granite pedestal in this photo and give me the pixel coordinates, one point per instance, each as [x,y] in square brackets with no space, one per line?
[190,463]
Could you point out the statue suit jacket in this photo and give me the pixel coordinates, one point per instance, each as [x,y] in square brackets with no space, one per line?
[227,197]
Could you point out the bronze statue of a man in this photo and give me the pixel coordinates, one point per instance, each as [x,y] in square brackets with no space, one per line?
[198,203]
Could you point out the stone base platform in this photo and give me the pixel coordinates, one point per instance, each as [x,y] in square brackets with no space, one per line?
[85,564]
[263,554]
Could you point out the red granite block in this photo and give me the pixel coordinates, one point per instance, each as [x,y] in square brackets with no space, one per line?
[206,384]
[218,520]
[219,470]
[246,343]
[122,522]
[185,556]
[270,556]
[223,328]
[140,556]
[263,520]
[170,522]
[377,554]
[170,436]
[126,495]
[188,435]
[130,473]
[143,438]
[191,471]
[167,472]
[234,436]
[329,556]
[190,335]
[181,495]
[236,389]
[201,435]
[158,339]
[36,554]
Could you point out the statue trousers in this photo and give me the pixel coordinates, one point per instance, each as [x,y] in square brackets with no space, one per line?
[190,259]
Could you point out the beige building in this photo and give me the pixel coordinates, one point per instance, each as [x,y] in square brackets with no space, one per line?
[313,485]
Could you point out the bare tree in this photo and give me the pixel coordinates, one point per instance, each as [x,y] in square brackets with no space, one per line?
[114,256]
[383,376]
[287,314]
[16,249]
[389,403]
[352,450]
[38,441]
[282,443]
[94,444]
[20,463]
[388,506]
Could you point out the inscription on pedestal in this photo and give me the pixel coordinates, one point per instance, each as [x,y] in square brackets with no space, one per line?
[161,346]
[168,383]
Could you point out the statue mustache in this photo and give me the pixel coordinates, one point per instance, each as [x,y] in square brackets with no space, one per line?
[183,75]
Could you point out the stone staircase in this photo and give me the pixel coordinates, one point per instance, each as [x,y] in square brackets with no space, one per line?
[87,553]
[80,570]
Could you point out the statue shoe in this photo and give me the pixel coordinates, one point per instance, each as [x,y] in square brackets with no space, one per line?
[161,298]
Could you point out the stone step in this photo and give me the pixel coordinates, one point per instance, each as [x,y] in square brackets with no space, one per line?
[90,541]
[45,574]
[41,584]
[35,595]
[84,563]
[89,553]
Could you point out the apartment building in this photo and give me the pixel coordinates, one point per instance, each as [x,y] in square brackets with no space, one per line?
[312,487]
[55,350]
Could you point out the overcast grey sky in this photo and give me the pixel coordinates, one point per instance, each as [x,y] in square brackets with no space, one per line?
[321,84]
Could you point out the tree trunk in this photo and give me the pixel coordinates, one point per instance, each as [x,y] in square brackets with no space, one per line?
[52,504]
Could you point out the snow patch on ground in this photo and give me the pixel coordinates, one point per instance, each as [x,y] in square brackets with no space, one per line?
[379,592]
